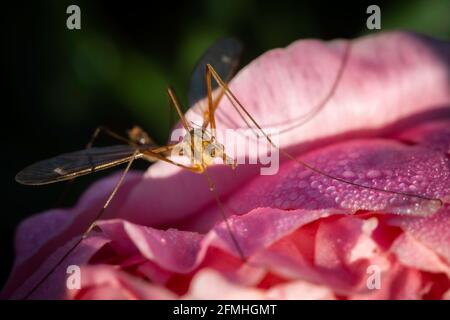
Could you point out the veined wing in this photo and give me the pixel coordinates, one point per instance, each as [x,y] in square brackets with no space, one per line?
[71,165]
[224,56]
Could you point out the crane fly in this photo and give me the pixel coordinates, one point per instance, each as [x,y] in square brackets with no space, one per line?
[224,55]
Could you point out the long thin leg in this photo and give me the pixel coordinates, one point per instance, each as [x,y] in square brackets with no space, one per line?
[171,119]
[194,168]
[224,216]
[88,230]
[224,87]
[212,119]
[174,102]
[238,105]
[109,132]
[209,114]
[200,169]
[212,105]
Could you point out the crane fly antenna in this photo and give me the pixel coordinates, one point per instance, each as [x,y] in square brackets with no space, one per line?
[238,105]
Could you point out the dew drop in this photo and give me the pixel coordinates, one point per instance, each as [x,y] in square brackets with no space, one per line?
[393,200]
[315,184]
[348,174]
[345,204]
[303,174]
[373,174]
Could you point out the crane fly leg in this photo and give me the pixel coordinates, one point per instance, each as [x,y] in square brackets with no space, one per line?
[151,154]
[89,229]
[238,105]
[109,132]
[94,137]
[174,103]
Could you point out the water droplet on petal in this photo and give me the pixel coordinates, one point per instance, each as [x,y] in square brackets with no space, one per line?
[348,174]
[315,184]
[373,174]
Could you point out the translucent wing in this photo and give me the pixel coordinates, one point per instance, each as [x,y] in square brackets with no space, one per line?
[224,56]
[70,165]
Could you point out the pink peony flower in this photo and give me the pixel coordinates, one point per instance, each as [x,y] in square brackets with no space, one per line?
[305,236]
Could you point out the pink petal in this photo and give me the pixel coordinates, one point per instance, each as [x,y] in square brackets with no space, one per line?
[173,250]
[300,290]
[343,252]
[413,254]
[261,227]
[433,232]
[333,257]
[223,289]
[376,163]
[182,251]
[399,283]
[55,285]
[206,279]
[107,283]
[40,235]
[388,77]
[393,75]
[434,135]
[343,241]
[395,72]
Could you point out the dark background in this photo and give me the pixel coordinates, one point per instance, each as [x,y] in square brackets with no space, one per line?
[59,85]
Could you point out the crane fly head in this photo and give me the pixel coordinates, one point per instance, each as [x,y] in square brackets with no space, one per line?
[139,136]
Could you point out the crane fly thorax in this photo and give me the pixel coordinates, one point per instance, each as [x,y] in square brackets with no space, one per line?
[201,148]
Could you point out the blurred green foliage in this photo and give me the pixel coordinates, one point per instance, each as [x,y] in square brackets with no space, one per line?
[114,71]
